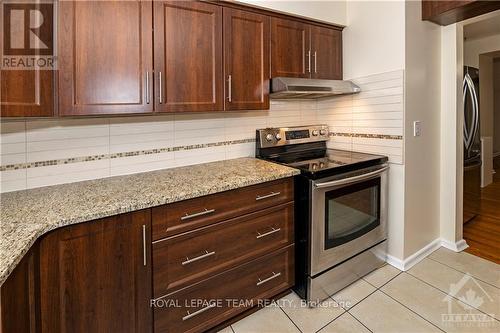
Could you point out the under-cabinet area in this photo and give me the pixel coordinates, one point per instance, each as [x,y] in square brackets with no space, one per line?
[188,265]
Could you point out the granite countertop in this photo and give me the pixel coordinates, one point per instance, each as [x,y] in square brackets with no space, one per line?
[26,215]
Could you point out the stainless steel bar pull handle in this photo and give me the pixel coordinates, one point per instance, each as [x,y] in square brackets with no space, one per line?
[229,88]
[272,194]
[259,235]
[274,276]
[147,88]
[351,179]
[309,61]
[190,216]
[191,315]
[160,88]
[315,62]
[144,250]
[206,255]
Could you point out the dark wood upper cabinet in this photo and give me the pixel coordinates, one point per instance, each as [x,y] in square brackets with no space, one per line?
[326,53]
[246,60]
[304,50]
[290,47]
[96,277]
[448,12]
[27,93]
[188,56]
[105,57]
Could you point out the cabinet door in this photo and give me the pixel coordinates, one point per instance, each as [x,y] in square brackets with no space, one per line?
[27,93]
[326,48]
[188,56]
[290,48]
[105,57]
[18,294]
[246,60]
[96,276]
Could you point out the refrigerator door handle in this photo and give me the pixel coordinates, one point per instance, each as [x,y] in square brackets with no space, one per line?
[470,133]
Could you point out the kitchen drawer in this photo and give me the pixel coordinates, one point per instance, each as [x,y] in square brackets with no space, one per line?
[184,259]
[208,303]
[190,214]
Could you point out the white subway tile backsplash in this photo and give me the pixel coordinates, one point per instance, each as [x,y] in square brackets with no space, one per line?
[12,175]
[377,110]
[203,155]
[240,150]
[13,148]
[13,185]
[141,163]
[6,159]
[54,170]
[47,155]
[50,145]
[67,178]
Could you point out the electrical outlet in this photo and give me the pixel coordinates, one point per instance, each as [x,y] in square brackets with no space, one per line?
[417,130]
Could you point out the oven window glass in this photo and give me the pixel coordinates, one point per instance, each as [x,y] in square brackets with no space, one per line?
[351,212]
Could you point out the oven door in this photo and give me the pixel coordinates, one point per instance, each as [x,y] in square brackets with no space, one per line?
[349,215]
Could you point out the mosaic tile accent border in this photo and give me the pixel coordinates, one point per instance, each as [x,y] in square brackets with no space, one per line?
[368,136]
[119,155]
[37,164]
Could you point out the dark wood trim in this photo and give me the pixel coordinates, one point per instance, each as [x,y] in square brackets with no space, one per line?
[448,12]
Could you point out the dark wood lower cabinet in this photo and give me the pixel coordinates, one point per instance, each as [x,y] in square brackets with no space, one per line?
[210,302]
[19,297]
[182,260]
[96,277]
[99,276]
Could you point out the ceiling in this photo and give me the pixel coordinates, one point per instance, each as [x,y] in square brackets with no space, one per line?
[484,28]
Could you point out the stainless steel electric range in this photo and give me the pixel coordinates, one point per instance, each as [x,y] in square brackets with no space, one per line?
[340,208]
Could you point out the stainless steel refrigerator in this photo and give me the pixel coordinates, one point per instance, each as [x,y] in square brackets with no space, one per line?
[472,144]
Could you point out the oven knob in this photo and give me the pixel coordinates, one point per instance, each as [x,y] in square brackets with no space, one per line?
[322,132]
[278,137]
[269,137]
[315,133]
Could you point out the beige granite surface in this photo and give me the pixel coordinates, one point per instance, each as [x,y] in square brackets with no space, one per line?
[26,215]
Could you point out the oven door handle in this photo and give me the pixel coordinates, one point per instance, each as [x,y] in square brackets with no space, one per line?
[352,179]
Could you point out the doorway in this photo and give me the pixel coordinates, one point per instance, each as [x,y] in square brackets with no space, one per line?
[481,189]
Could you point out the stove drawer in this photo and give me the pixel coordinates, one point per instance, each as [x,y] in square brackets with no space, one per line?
[184,259]
[190,214]
[206,304]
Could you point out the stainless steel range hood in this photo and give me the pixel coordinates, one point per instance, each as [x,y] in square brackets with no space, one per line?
[296,88]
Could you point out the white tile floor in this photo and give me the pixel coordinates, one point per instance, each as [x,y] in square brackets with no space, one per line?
[388,300]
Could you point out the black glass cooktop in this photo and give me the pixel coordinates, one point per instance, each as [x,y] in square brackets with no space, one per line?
[329,160]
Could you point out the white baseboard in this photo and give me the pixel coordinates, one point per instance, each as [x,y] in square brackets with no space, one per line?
[457,246]
[418,256]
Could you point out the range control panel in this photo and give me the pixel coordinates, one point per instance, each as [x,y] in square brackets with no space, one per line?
[281,136]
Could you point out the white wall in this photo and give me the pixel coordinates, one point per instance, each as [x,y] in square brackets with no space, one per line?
[374,38]
[328,11]
[474,47]
[451,139]
[422,154]
[373,43]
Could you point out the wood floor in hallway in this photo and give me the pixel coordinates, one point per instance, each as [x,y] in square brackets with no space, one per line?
[483,232]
